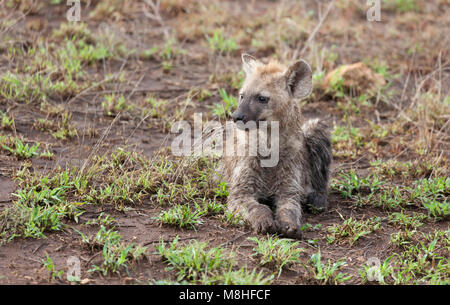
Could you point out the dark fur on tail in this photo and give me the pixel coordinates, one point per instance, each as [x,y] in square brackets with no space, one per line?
[318,146]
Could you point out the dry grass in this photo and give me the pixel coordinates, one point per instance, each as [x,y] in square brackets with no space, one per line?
[99,97]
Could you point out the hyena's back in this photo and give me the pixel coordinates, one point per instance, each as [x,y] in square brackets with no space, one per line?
[318,146]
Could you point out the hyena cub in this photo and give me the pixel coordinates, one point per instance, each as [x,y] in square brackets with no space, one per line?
[270,198]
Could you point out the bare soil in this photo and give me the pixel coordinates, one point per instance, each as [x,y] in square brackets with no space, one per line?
[21,259]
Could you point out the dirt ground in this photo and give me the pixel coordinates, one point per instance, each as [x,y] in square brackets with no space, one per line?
[166,55]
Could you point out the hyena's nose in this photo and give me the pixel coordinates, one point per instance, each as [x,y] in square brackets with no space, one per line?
[238,116]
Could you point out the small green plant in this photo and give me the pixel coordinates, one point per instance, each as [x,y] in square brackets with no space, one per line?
[77,52]
[165,53]
[181,216]
[116,254]
[423,260]
[392,198]
[237,80]
[60,129]
[378,131]
[36,212]
[433,193]
[50,266]
[228,79]
[40,205]
[107,8]
[402,238]
[352,229]
[349,184]
[402,5]
[326,273]
[212,207]
[277,252]
[46,154]
[65,130]
[244,277]
[224,109]
[218,43]
[310,227]
[102,237]
[41,219]
[437,209]
[411,222]
[318,77]
[6,121]
[380,67]
[167,65]
[233,218]
[221,190]
[432,188]
[347,134]
[113,105]
[337,84]
[21,150]
[378,273]
[158,107]
[170,50]
[408,170]
[24,89]
[194,261]
[103,219]
[70,30]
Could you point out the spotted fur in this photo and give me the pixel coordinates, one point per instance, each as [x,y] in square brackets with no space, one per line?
[271,198]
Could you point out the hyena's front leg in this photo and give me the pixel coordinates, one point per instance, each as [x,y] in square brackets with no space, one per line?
[288,217]
[258,215]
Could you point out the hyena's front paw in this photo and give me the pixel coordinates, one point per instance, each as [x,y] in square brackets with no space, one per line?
[288,225]
[261,220]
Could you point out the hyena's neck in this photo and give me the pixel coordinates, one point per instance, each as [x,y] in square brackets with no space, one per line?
[290,127]
[289,116]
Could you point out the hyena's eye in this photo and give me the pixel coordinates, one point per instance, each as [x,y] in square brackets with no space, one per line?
[263,99]
[241,96]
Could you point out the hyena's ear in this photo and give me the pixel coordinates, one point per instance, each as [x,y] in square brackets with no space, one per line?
[249,63]
[299,79]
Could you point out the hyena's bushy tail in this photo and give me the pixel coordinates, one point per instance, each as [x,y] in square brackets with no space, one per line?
[318,144]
